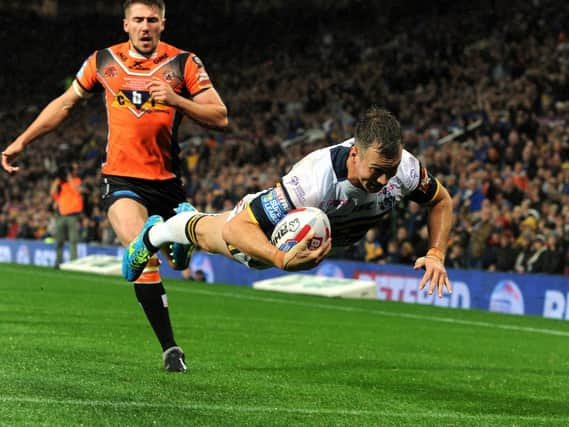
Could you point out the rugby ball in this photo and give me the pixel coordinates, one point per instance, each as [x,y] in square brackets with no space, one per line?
[295,226]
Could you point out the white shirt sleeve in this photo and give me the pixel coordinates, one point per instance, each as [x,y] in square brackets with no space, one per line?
[408,173]
[310,180]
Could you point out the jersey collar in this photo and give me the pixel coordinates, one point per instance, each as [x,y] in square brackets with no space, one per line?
[134,54]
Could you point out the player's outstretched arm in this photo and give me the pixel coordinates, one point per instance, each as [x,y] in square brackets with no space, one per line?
[440,223]
[246,235]
[49,119]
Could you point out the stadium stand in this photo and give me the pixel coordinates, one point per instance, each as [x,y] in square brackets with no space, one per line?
[482,94]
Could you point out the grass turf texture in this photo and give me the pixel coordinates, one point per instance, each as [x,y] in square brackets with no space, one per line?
[75,349]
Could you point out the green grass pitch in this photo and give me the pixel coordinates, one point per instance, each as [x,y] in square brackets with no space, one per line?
[75,349]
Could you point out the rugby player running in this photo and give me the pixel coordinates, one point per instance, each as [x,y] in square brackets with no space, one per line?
[148,87]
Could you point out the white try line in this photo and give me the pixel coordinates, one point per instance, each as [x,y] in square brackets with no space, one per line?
[192,290]
[205,407]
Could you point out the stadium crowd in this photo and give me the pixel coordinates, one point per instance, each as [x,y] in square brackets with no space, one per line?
[483,98]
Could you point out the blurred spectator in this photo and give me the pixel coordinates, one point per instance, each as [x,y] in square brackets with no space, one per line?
[421,244]
[479,233]
[456,257]
[67,194]
[372,248]
[536,262]
[392,253]
[524,250]
[506,253]
[405,244]
[406,255]
[415,218]
[510,192]
[553,262]
[24,230]
[4,225]
[88,230]
[473,195]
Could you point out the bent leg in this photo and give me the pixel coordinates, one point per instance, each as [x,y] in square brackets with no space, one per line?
[127,217]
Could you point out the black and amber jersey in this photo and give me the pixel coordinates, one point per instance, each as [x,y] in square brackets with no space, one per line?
[141,132]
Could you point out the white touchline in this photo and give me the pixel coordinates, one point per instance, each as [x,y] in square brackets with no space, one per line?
[271,409]
[517,328]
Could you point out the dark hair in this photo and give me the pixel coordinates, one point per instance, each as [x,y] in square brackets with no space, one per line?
[378,128]
[62,172]
[158,3]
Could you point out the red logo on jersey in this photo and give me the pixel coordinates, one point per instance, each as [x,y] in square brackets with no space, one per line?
[425,182]
[110,72]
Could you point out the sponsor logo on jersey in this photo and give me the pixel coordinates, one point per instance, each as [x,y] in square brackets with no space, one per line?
[136,99]
[413,173]
[294,181]
[425,181]
[272,206]
[139,66]
[169,76]
[160,58]
[110,72]
[281,197]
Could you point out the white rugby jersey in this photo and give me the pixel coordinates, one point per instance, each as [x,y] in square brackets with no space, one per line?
[320,180]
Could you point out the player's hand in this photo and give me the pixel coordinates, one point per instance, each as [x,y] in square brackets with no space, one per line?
[161,92]
[8,156]
[299,257]
[435,272]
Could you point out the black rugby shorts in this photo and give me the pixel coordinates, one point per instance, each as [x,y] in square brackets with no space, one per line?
[159,197]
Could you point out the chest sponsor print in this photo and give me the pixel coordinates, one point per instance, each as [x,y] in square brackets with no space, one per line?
[139,100]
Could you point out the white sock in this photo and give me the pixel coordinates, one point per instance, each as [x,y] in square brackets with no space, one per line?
[173,230]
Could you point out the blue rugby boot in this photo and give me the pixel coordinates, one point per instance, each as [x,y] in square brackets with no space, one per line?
[181,254]
[136,255]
